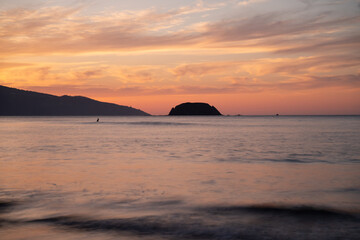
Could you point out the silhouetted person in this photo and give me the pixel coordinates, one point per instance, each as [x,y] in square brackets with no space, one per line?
[97,120]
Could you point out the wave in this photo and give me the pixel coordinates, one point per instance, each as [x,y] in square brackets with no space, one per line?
[298,160]
[6,206]
[275,160]
[144,123]
[245,222]
[301,211]
[354,190]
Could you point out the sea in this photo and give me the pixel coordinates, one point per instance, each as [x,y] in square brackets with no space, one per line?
[180,177]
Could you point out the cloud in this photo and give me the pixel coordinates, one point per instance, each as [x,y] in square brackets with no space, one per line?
[275,29]
[237,85]
[59,30]
[101,91]
[65,30]
[347,42]
[257,75]
[6,65]
[343,81]
[45,75]
[134,90]
[201,69]
[248,2]
[308,65]
[20,22]
[266,66]
[349,81]
[62,30]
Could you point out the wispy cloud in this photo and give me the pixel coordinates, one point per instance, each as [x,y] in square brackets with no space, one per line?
[7,65]
[65,30]
[248,2]
[237,85]
[301,84]
[202,69]
[224,76]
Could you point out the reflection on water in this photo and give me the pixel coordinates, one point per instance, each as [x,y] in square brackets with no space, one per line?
[180,178]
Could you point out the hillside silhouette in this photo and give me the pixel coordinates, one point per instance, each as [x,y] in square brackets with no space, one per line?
[16,102]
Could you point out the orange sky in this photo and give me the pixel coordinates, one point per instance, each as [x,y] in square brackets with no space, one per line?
[244,57]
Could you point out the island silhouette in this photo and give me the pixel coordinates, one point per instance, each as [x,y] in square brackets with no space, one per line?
[16,102]
[196,108]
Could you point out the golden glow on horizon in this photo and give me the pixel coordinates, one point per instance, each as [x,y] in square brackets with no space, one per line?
[263,62]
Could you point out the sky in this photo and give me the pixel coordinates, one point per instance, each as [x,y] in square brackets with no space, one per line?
[250,57]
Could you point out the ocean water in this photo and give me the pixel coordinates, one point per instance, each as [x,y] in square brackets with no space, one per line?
[286,177]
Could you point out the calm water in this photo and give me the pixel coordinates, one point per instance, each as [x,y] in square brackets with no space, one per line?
[180,178]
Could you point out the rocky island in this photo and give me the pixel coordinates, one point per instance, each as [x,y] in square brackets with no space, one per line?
[194,109]
[16,102]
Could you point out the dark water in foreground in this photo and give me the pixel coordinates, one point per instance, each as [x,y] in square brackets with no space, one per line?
[180,178]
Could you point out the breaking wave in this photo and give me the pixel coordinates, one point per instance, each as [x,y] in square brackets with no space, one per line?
[217,222]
